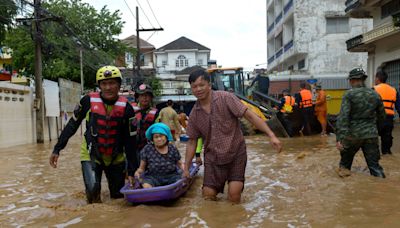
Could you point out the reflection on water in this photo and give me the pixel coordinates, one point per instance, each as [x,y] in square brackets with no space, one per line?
[296,188]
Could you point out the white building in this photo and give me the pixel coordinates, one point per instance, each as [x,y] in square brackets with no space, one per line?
[172,59]
[308,37]
[383,41]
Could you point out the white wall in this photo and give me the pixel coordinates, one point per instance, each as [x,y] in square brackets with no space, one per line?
[16,115]
[324,53]
[18,118]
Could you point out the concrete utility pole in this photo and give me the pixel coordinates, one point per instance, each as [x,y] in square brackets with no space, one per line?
[138,40]
[38,75]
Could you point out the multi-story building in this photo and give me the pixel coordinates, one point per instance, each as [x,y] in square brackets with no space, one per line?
[308,38]
[126,63]
[178,55]
[174,60]
[382,42]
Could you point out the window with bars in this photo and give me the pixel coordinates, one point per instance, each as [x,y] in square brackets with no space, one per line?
[392,68]
[337,25]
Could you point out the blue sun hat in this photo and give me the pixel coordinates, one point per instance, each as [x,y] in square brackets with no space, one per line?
[159,128]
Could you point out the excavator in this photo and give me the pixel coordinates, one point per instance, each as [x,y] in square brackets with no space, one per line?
[232,80]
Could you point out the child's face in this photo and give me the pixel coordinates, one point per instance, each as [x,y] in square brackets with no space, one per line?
[159,140]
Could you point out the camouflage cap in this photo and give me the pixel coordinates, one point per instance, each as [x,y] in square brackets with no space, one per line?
[357,73]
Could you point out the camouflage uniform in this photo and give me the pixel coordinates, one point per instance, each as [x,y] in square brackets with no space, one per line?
[356,128]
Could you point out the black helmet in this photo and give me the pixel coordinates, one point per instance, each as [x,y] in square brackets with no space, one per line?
[142,89]
[357,73]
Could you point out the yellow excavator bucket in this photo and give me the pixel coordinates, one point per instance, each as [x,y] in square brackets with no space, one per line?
[255,110]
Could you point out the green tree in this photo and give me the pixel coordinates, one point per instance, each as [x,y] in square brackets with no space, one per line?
[155,84]
[8,10]
[74,25]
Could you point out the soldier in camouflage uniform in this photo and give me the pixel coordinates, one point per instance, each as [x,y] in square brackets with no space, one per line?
[356,125]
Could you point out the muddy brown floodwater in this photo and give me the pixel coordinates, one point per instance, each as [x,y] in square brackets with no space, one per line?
[296,188]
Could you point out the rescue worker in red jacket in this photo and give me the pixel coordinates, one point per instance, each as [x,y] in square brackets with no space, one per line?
[390,99]
[304,100]
[145,116]
[107,141]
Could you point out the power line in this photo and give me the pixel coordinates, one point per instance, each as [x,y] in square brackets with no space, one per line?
[132,12]
[151,36]
[153,13]
[144,13]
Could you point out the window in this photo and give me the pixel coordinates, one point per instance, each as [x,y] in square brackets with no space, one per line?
[390,8]
[337,25]
[302,64]
[200,62]
[181,61]
[128,57]
[164,63]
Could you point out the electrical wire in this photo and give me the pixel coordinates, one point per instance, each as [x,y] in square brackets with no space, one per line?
[144,13]
[134,17]
[153,13]
[151,36]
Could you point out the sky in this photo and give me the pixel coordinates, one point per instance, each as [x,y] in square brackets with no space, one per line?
[234,30]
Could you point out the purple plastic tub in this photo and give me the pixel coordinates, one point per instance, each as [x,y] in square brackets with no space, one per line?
[161,193]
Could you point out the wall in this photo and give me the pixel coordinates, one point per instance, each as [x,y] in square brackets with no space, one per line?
[16,115]
[18,118]
[327,53]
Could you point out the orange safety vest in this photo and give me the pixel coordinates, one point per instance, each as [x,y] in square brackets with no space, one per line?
[105,125]
[289,101]
[306,98]
[388,96]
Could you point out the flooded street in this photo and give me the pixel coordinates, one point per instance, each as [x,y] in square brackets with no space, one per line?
[296,188]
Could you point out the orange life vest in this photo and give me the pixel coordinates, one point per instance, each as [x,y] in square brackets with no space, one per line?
[105,126]
[306,98]
[388,96]
[289,101]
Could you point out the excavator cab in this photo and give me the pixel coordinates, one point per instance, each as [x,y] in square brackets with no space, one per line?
[227,79]
[232,80]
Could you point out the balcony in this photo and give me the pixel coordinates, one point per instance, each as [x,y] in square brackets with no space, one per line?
[278,18]
[288,45]
[355,9]
[380,32]
[270,28]
[288,6]
[271,59]
[362,42]
[354,42]
[279,53]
